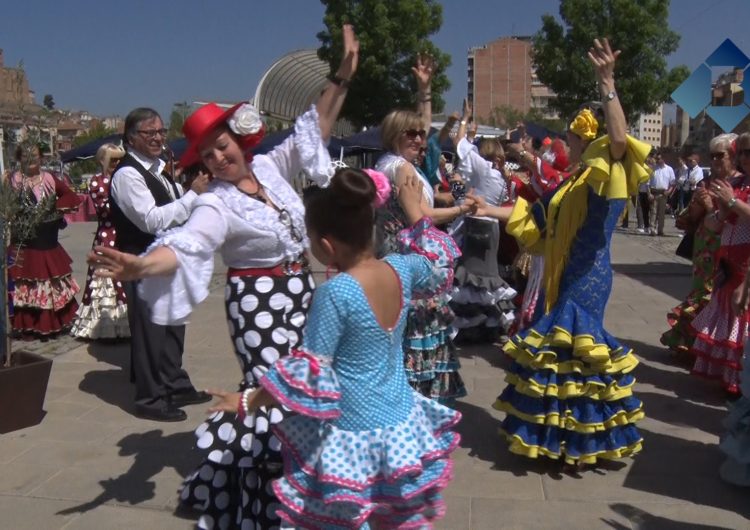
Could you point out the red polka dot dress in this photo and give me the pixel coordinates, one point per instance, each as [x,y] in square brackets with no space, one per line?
[103,313]
[720,334]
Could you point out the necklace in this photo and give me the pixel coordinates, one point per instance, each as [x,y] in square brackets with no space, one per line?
[257,194]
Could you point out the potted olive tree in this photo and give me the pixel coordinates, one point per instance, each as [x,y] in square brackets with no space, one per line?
[23,375]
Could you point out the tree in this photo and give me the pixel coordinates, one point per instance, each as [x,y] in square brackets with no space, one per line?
[639,28]
[49,102]
[391,34]
[177,118]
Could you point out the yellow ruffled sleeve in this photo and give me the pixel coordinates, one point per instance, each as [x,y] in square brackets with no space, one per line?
[616,179]
[522,226]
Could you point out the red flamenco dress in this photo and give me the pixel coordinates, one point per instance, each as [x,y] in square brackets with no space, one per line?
[720,334]
[44,296]
[103,313]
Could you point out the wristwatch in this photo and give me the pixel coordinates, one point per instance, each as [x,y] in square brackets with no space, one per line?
[731,203]
[339,81]
[610,95]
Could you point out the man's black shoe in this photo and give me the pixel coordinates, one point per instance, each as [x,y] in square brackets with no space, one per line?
[191,397]
[164,413]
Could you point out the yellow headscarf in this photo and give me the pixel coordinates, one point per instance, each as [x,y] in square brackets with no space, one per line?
[585,125]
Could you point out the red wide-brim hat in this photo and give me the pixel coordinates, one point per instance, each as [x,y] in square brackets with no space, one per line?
[204,120]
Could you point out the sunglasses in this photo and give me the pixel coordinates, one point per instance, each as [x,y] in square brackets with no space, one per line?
[717,156]
[413,133]
[151,133]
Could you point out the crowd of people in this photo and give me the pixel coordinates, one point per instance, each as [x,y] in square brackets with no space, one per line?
[343,416]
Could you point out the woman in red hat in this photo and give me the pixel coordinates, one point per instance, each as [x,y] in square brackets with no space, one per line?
[253,216]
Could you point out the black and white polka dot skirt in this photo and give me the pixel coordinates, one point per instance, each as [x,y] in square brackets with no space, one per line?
[232,486]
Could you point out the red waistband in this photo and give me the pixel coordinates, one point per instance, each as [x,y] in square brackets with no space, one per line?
[285,269]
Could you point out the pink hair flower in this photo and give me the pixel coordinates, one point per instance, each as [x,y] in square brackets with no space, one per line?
[382,187]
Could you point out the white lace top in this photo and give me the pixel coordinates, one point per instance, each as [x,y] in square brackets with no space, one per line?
[247,232]
[389,163]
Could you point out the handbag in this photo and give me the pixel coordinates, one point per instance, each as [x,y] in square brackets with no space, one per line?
[685,248]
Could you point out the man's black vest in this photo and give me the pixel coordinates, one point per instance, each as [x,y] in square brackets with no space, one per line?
[130,238]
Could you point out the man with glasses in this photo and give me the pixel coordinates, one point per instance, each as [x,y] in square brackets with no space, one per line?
[143,201]
[661,183]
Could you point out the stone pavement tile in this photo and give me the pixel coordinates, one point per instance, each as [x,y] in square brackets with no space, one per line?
[493,514]
[11,447]
[457,515]
[67,430]
[64,454]
[122,518]
[22,513]
[648,516]
[64,409]
[484,481]
[20,479]
[146,480]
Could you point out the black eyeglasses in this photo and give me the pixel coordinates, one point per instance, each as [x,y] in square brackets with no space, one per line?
[151,133]
[719,155]
[413,133]
[286,220]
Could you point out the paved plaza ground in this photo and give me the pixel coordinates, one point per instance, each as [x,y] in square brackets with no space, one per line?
[91,464]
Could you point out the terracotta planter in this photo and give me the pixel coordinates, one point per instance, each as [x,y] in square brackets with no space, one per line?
[22,389]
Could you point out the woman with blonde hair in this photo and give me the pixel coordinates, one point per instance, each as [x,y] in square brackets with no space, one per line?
[430,356]
[103,313]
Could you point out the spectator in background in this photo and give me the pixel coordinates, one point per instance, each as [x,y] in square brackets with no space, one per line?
[660,185]
[643,204]
[103,313]
[683,185]
[695,175]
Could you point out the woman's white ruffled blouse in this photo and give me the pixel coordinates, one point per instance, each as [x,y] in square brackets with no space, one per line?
[247,232]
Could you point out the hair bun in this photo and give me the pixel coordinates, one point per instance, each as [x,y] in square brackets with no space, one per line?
[352,188]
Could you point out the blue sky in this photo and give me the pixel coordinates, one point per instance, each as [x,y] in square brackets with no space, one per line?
[110,56]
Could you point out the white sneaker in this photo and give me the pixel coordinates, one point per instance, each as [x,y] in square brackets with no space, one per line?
[640,230]
[652,231]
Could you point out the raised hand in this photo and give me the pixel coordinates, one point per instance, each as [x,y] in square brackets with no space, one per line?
[423,71]
[350,58]
[111,263]
[467,110]
[603,59]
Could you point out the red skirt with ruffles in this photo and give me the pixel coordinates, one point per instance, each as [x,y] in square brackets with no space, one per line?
[44,301]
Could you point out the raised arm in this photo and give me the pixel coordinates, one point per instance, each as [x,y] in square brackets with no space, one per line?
[603,59]
[462,126]
[332,99]
[423,71]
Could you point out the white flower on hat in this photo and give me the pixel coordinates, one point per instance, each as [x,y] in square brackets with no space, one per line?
[245,120]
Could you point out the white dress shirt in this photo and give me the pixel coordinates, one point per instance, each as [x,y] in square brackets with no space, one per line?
[695,176]
[247,232]
[130,191]
[480,176]
[662,178]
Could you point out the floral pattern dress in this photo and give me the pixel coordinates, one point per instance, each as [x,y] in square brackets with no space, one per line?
[44,292]
[103,313]
[430,357]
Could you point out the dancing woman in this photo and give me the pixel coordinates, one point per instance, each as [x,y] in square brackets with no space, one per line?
[569,392]
[253,216]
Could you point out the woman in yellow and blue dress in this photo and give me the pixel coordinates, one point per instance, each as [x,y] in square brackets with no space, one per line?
[569,393]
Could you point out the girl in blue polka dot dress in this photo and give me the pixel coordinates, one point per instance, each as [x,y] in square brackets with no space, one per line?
[364,450]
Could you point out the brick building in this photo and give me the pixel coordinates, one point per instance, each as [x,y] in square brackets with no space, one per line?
[501,73]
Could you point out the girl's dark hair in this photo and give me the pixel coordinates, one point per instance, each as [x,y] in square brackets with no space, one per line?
[344,210]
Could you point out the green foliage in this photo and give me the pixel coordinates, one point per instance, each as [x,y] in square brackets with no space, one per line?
[180,112]
[391,34]
[84,167]
[49,102]
[507,117]
[639,28]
